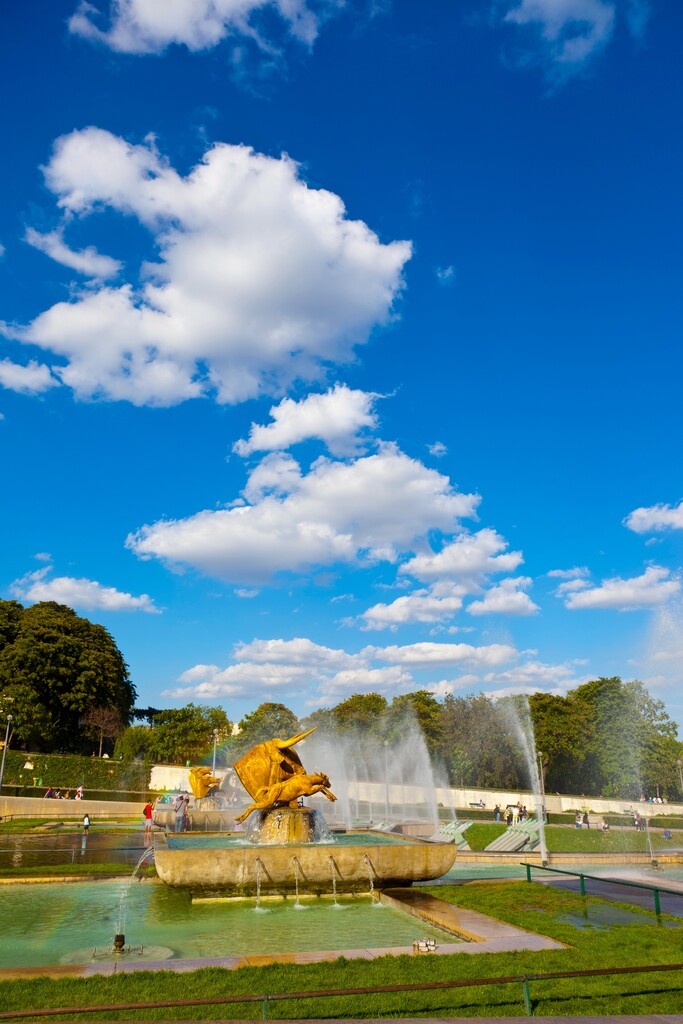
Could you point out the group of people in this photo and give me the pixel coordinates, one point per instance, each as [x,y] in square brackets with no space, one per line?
[56,794]
[182,817]
[582,819]
[513,814]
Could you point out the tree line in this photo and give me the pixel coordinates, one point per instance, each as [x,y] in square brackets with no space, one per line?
[68,689]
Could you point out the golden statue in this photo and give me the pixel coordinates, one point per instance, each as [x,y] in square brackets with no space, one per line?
[270,762]
[272,773]
[288,792]
[202,781]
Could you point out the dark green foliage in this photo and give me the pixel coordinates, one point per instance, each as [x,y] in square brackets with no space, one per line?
[362,713]
[55,667]
[186,734]
[67,771]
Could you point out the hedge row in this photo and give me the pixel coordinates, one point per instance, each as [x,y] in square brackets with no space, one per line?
[67,771]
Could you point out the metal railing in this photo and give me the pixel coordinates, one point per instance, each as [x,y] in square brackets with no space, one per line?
[582,876]
[266,998]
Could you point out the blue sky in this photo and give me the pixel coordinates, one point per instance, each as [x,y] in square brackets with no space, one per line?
[340,341]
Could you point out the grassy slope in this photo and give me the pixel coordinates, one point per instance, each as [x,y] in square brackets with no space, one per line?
[533,907]
[573,840]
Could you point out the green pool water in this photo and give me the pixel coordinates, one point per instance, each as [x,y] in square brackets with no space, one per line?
[49,924]
[216,841]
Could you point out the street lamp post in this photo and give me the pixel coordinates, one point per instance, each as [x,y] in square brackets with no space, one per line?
[386,777]
[215,741]
[4,750]
[541,782]
[680,775]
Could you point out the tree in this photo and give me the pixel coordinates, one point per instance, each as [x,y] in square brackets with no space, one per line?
[100,723]
[186,734]
[269,721]
[134,743]
[61,666]
[363,713]
[422,707]
[479,746]
[565,734]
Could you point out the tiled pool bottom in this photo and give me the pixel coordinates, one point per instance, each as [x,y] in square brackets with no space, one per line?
[44,925]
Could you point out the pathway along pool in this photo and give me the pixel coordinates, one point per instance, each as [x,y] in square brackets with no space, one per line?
[48,924]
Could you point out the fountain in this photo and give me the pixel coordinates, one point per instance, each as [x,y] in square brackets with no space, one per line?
[282,835]
[524,730]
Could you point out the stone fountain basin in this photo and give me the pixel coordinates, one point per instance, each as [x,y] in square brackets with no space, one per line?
[232,867]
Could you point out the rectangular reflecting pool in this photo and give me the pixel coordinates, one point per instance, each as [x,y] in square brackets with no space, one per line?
[51,924]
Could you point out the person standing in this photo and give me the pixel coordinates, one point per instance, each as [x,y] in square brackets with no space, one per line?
[86,824]
[147,813]
[179,808]
[586,820]
[496,812]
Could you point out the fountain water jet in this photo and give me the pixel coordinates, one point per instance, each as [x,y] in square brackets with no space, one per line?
[524,731]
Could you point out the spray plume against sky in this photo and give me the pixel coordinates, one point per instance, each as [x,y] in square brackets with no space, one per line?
[340,341]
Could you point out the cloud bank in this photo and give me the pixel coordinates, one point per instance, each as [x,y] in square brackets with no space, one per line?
[260,280]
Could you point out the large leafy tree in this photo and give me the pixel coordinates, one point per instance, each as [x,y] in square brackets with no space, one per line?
[269,721]
[423,708]
[479,745]
[362,714]
[566,735]
[54,667]
[186,734]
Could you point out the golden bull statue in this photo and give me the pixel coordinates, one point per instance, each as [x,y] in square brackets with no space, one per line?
[202,781]
[272,773]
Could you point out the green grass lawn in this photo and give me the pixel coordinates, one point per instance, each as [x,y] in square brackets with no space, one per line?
[531,906]
[482,833]
[561,839]
[592,840]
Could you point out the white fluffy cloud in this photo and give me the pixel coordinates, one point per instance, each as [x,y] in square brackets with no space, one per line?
[325,674]
[468,558]
[79,593]
[31,379]
[372,508]
[150,26]
[88,261]
[299,651]
[569,574]
[209,682]
[655,587]
[533,676]
[260,279]
[420,606]
[564,35]
[431,654]
[507,598]
[655,518]
[336,417]
[365,680]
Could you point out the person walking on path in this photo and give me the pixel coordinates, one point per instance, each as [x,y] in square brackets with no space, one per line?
[586,820]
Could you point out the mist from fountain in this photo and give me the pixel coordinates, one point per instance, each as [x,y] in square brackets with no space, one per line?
[519,717]
[392,780]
